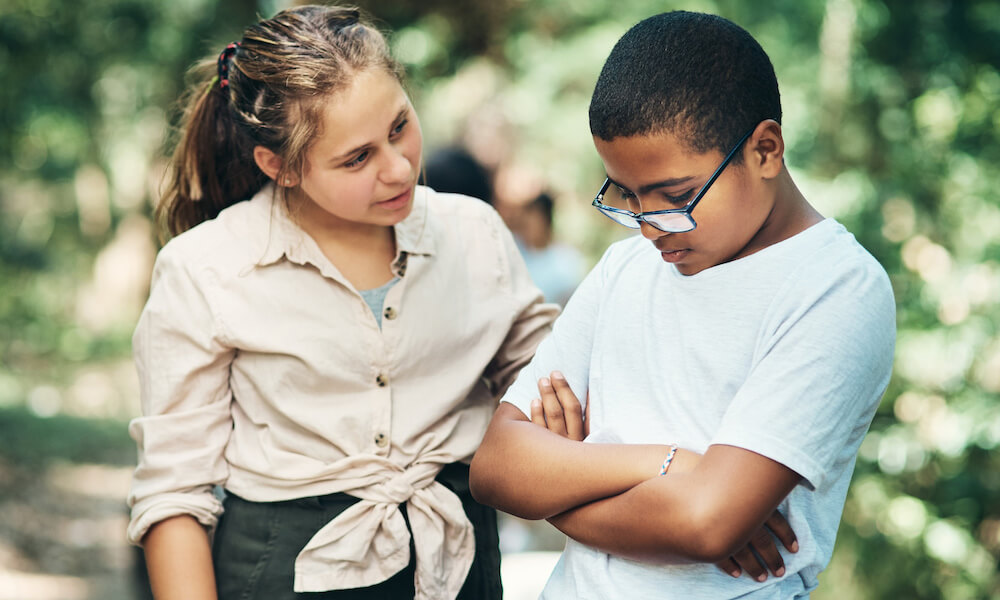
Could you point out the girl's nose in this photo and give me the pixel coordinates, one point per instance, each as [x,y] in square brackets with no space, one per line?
[398,167]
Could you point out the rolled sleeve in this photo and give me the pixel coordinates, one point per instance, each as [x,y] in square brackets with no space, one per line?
[183,363]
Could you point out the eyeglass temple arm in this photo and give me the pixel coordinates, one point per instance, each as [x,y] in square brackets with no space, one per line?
[718,171]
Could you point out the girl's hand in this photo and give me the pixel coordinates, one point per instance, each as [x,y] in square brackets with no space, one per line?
[763,543]
[558,409]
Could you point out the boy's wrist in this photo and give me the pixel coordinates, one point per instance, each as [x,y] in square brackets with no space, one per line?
[650,460]
[684,461]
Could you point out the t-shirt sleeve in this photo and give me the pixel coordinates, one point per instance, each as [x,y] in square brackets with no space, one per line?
[820,368]
[183,365]
[568,348]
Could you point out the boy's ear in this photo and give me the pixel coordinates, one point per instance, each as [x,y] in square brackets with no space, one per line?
[270,163]
[767,148]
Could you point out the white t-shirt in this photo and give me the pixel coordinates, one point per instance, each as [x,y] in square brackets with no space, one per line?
[785,352]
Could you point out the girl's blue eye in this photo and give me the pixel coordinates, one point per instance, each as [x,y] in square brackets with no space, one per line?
[357,160]
[399,128]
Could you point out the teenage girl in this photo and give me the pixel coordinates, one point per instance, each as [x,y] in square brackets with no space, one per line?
[324,339]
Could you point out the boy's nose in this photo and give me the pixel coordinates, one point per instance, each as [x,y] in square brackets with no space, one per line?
[649,232]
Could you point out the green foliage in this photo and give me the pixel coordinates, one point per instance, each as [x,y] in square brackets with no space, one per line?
[31,442]
[892,119]
[86,97]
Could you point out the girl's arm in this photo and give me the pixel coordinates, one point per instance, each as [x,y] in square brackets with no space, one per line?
[183,365]
[179,560]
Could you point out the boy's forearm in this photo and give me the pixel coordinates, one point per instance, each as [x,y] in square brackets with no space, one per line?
[623,524]
[642,524]
[530,472]
[701,515]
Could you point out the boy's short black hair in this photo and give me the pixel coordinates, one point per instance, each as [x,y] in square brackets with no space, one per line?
[698,76]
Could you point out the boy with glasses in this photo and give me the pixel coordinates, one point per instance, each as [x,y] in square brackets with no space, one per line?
[728,371]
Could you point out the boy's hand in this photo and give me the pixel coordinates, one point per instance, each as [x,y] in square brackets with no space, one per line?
[558,409]
[763,543]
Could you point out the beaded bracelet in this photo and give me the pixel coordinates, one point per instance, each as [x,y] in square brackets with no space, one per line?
[668,459]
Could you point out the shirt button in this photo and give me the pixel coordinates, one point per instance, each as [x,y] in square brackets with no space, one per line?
[389,313]
[381,440]
[381,380]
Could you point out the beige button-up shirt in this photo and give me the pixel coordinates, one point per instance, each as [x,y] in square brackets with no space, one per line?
[264,371]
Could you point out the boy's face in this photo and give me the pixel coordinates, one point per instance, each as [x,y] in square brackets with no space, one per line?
[662,172]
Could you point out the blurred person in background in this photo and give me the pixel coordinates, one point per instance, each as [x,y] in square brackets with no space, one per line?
[454,170]
[324,338]
[555,267]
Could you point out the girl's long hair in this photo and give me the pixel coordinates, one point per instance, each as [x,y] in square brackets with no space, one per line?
[279,75]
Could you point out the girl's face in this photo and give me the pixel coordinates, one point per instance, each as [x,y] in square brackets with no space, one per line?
[364,163]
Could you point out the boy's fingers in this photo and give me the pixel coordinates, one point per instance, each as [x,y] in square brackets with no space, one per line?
[553,411]
[537,414]
[745,559]
[730,567]
[572,412]
[763,542]
[779,525]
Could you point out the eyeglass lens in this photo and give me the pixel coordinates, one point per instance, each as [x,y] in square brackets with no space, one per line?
[615,198]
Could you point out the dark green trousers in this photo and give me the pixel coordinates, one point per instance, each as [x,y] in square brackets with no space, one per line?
[256,544]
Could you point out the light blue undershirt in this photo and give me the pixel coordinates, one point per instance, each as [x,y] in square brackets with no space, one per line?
[375,298]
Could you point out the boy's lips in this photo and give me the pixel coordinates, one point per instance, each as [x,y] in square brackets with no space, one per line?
[674,256]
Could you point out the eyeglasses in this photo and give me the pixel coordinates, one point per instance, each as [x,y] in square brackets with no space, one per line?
[673,220]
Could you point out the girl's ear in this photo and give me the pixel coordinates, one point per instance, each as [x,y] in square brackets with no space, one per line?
[270,163]
[768,148]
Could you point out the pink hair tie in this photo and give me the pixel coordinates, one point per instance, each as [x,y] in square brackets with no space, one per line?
[225,59]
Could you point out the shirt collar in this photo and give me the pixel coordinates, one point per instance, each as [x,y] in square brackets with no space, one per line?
[285,238]
[412,233]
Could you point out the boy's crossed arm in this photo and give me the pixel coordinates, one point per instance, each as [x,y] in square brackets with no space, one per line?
[608,495]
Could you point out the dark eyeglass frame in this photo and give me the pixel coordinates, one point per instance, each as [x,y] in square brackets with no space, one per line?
[644,217]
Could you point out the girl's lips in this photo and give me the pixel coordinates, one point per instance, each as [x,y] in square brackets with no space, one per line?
[674,257]
[396,202]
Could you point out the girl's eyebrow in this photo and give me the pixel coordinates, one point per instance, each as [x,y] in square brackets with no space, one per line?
[354,151]
[659,184]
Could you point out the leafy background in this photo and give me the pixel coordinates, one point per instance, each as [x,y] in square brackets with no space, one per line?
[892,118]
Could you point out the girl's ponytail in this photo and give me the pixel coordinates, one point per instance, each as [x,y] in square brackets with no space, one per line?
[212,168]
[265,91]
